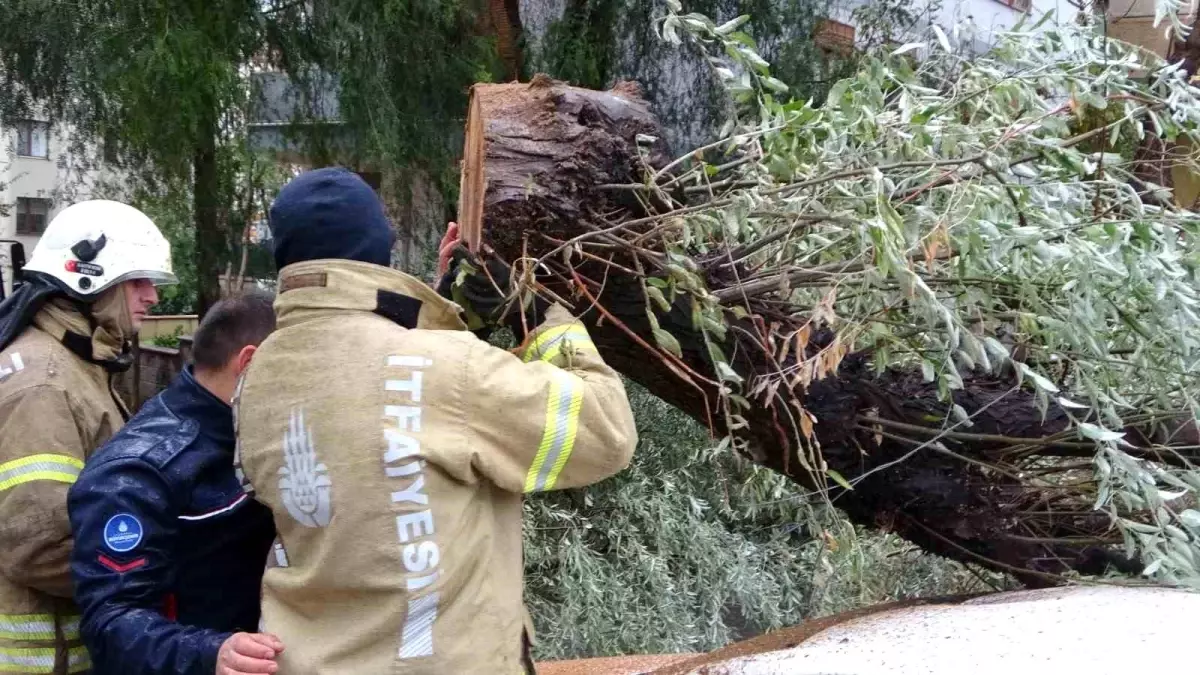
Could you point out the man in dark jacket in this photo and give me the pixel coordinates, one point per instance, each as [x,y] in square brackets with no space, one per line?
[170,551]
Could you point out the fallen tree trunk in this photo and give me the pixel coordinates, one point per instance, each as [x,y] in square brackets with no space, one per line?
[550,175]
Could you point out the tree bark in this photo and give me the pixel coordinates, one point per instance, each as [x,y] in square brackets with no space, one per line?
[540,164]
[210,240]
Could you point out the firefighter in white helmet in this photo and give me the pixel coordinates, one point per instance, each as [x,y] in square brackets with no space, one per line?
[63,336]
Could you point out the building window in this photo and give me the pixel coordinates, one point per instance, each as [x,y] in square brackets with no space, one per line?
[32,213]
[33,139]
[834,38]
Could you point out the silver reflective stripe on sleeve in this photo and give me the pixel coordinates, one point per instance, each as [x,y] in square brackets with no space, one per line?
[563,404]
[58,468]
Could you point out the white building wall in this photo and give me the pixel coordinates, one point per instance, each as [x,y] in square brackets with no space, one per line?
[64,177]
[989,16]
[994,15]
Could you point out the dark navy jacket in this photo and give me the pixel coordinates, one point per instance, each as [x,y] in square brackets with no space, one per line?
[169,551]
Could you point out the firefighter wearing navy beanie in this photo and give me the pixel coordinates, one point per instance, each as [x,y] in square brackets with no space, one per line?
[330,213]
[394,448]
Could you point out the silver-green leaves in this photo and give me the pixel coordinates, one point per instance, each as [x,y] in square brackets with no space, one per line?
[1001,212]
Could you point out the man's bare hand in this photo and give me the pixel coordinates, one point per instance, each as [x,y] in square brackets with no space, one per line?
[248,654]
[446,247]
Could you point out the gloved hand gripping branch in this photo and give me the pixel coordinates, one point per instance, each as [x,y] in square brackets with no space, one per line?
[483,290]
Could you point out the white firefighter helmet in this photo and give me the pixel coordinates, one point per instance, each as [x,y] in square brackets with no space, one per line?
[94,245]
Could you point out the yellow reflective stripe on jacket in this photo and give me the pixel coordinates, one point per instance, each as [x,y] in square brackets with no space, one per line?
[549,344]
[558,437]
[60,468]
[41,660]
[36,627]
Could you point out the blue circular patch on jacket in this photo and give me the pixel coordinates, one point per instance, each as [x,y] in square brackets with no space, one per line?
[122,533]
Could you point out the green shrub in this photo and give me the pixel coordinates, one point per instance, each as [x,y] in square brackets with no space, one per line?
[171,340]
[689,549]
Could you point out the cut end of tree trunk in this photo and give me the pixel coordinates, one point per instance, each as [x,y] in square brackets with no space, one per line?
[471,184]
[537,154]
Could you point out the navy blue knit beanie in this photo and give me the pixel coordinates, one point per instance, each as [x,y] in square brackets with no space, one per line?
[329,213]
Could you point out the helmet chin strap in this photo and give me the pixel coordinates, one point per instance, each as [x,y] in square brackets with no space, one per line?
[81,346]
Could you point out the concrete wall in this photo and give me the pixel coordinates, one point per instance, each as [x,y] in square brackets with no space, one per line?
[1133,22]
[167,325]
[153,370]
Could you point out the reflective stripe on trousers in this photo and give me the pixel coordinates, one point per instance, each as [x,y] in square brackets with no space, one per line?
[40,660]
[27,645]
[36,627]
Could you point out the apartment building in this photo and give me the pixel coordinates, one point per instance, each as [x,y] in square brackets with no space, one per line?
[41,173]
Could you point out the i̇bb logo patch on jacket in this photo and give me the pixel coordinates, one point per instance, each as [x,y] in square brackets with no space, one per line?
[122,533]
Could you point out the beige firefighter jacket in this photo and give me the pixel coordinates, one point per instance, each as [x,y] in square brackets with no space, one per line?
[55,409]
[395,461]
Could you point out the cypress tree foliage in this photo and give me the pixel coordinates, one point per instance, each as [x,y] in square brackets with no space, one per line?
[401,69]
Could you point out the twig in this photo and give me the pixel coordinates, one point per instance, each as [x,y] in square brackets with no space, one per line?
[711,146]
[1087,135]
[600,232]
[689,190]
[754,287]
[803,443]
[963,436]
[666,356]
[851,173]
[1067,541]
[728,182]
[1012,196]
[598,259]
[718,169]
[765,284]
[757,245]
[904,458]
[938,447]
[992,562]
[653,257]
